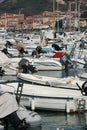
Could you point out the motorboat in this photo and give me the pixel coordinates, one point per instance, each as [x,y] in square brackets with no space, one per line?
[3,33]
[44,63]
[5,36]
[65,99]
[16,115]
[29,39]
[41,63]
[12,68]
[50,81]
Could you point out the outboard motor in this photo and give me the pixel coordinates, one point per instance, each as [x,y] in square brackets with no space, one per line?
[8,44]
[39,49]
[85,59]
[84,88]
[26,67]
[57,47]
[1,71]
[36,53]
[82,45]
[66,61]
[22,51]
[5,51]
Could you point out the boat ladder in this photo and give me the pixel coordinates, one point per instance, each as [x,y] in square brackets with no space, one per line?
[19,92]
[81,105]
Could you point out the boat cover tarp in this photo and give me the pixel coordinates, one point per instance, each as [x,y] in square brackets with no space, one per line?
[8,104]
[59,54]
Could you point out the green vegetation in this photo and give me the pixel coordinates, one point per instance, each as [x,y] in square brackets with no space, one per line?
[28,7]
[33,7]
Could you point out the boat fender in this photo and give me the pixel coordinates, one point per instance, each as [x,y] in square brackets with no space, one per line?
[33,114]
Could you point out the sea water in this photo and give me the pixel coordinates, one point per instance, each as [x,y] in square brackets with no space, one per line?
[61,121]
[56,120]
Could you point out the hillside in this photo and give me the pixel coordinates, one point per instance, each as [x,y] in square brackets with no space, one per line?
[31,7]
[28,7]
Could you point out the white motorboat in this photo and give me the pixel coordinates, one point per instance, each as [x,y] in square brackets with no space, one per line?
[16,115]
[44,63]
[66,98]
[51,81]
[41,63]
[11,68]
[33,39]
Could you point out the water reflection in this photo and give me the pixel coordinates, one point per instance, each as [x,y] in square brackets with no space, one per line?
[35,128]
[57,74]
[63,121]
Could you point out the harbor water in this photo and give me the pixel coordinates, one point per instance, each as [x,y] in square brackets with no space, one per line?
[52,120]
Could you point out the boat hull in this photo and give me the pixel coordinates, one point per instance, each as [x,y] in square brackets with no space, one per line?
[49,98]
